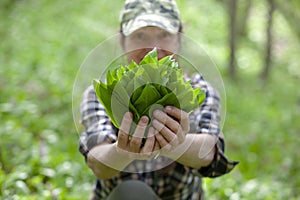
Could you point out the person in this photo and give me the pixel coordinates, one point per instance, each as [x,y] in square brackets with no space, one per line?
[148,24]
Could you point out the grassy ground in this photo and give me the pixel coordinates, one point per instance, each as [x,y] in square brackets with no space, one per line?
[44,43]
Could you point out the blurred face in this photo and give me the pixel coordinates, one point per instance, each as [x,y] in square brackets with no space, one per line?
[143,40]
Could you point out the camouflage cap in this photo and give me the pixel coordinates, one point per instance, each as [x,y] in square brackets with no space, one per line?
[140,13]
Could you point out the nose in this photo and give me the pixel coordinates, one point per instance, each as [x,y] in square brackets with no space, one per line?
[152,42]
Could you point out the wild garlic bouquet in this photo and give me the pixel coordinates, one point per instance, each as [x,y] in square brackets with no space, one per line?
[141,88]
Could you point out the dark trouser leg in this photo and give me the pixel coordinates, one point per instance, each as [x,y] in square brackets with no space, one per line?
[132,190]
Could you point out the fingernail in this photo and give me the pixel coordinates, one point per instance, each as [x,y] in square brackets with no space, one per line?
[157,112]
[144,119]
[168,108]
[130,114]
[154,121]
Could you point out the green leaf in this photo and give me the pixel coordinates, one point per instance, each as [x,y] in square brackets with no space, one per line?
[151,73]
[200,96]
[121,93]
[104,95]
[169,100]
[150,58]
[129,85]
[111,76]
[165,61]
[117,112]
[132,65]
[136,114]
[185,97]
[172,86]
[148,96]
[136,94]
[163,90]
[120,72]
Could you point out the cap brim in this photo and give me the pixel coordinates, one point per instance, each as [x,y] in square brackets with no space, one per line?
[171,26]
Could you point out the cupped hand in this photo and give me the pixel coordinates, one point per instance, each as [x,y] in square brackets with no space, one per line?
[172,125]
[133,145]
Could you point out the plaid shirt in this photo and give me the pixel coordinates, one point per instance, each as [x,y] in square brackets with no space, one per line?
[176,181]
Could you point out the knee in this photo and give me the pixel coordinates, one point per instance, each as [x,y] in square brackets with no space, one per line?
[133,189]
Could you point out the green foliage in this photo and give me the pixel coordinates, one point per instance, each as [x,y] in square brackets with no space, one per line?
[139,87]
[264,141]
[44,42]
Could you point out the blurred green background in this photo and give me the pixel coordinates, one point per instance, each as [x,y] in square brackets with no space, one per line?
[44,42]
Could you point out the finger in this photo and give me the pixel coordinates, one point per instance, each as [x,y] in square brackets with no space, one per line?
[182,116]
[150,142]
[169,136]
[123,135]
[172,124]
[156,145]
[136,140]
[163,143]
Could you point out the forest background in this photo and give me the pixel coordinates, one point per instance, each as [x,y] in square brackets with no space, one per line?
[255,45]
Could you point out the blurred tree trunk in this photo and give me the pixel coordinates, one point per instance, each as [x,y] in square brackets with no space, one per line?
[232,36]
[291,12]
[268,53]
[238,16]
[3,167]
[243,16]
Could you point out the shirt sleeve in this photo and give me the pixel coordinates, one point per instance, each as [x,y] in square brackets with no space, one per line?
[206,120]
[97,125]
